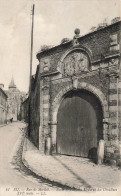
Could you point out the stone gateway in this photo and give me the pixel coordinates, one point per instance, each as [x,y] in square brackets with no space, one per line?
[75,99]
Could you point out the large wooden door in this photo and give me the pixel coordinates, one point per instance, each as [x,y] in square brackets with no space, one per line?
[79,124]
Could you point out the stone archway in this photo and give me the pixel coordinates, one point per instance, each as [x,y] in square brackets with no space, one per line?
[60,96]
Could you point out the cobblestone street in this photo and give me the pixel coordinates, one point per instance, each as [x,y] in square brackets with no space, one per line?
[75,172]
[13,173]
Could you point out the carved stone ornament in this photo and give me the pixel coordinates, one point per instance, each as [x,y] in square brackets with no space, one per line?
[113,39]
[114,61]
[75,82]
[74,63]
[75,42]
[45,64]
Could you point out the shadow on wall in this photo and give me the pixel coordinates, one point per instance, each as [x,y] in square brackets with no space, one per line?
[34,135]
[92,155]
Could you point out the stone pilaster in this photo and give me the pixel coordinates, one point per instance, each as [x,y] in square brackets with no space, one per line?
[112,151]
[46,114]
[41,130]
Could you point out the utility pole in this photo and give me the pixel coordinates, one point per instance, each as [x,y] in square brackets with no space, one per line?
[31,58]
[31,52]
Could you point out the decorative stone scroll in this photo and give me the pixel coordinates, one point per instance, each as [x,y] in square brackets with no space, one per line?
[114,61]
[74,63]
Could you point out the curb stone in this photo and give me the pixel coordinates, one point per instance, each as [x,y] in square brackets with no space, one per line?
[16,147]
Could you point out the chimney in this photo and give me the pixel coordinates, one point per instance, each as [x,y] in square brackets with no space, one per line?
[1,86]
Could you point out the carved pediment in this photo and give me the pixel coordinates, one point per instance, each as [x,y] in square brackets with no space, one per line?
[73,63]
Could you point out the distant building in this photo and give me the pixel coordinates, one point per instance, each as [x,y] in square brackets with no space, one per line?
[76,96]
[3,106]
[15,97]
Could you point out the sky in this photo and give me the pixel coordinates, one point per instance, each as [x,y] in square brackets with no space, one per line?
[53,20]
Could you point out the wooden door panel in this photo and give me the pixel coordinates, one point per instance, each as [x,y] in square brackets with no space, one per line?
[77,125]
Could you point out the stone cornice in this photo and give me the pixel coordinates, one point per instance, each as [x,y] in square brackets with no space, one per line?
[106,57]
[49,74]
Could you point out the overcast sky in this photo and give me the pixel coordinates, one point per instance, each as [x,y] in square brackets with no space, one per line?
[54,20]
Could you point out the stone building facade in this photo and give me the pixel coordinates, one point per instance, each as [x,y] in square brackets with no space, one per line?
[76,96]
[15,97]
[3,106]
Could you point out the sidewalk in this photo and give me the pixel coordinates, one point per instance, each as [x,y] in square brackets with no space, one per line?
[3,125]
[75,172]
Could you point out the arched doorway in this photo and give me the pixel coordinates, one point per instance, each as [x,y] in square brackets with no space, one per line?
[79,124]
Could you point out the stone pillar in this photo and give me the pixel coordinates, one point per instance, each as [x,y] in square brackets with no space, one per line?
[100,152]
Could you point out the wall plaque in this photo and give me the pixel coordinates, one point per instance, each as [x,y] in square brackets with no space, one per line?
[74,63]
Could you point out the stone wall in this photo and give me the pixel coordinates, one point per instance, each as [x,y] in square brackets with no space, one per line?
[34,109]
[24,111]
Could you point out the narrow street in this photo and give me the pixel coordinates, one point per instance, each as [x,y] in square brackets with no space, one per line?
[18,176]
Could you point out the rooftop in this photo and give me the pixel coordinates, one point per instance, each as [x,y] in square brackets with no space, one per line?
[12,84]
